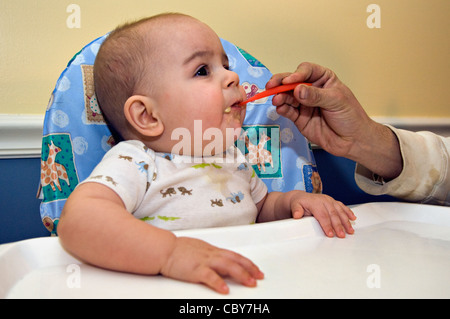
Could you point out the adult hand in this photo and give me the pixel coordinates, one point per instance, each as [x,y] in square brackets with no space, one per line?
[329,115]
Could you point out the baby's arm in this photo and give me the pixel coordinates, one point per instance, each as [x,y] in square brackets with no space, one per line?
[333,216]
[95,227]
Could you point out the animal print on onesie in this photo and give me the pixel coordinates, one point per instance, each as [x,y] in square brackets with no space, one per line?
[181,192]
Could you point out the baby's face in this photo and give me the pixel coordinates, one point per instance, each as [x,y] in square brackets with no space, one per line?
[195,89]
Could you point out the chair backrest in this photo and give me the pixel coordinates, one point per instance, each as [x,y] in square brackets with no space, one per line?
[75,136]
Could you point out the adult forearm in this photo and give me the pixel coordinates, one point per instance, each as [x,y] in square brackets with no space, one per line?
[378,149]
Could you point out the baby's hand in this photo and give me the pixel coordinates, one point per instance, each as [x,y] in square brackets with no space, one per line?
[196,261]
[333,216]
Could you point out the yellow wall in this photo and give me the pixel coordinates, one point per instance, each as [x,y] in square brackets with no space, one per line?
[400,69]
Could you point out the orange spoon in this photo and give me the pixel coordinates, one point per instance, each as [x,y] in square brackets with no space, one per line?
[273,91]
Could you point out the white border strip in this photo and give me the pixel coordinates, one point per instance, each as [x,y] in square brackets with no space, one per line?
[437,125]
[21,135]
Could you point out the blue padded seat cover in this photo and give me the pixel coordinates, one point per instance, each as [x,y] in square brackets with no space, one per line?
[75,136]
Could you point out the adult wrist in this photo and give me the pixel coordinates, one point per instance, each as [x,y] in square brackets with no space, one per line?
[378,149]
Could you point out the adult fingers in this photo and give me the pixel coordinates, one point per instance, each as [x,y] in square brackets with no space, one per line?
[276,80]
[305,72]
[311,73]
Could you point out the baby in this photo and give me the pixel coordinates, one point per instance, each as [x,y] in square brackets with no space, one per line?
[163,82]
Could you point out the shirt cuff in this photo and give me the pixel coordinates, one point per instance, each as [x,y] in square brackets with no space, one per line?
[423,171]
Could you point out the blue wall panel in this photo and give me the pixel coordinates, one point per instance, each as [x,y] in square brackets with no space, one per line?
[337,174]
[19,207]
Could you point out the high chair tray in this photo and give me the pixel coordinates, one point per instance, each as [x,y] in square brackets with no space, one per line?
[399,250]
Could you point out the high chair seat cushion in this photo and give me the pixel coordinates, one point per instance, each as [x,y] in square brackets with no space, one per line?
[75,136]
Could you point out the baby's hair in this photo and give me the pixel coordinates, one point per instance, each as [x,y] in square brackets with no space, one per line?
[120,69]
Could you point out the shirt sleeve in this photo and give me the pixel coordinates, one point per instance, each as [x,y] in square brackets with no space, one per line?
[425,176]
[128,170]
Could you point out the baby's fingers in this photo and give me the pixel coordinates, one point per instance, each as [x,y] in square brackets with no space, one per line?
[326,224]
[234,266]
[297,210]
[346,217]
[334,219]
[340,216]
[239,268]
[212,279]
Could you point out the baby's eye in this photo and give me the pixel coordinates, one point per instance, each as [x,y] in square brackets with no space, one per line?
[202,71]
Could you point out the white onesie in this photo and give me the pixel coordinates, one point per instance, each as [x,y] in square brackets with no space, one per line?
[181,192]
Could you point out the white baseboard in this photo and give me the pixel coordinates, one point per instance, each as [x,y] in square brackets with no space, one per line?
[21,135]
[437,125]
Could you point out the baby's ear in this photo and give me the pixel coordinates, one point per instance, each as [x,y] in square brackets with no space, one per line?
[141,112]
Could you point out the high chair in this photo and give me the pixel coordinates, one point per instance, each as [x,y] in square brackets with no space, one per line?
[75,136]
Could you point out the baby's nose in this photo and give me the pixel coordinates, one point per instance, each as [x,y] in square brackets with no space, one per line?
[232,78]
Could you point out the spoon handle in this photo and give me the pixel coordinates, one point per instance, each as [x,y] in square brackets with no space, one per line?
[273,91]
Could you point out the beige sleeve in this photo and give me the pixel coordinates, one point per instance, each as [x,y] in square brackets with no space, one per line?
[426,173]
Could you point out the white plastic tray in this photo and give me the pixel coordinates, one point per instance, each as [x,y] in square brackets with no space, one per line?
[398,251]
